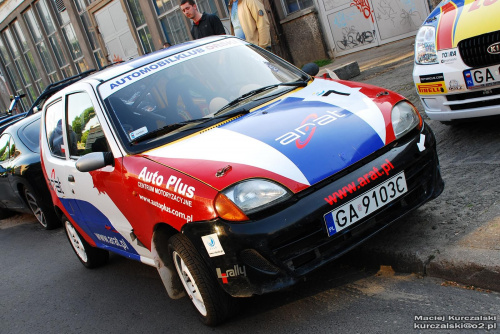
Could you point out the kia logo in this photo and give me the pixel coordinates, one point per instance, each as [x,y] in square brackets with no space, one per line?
[494,48]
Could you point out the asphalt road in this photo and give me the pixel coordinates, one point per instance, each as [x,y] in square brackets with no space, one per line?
[45,289]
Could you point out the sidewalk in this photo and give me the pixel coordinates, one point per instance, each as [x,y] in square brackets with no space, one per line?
[456,236]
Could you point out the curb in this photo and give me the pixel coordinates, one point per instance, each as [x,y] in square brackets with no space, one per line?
[479,268]
[344,72]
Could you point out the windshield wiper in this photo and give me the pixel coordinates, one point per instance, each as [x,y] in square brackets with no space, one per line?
[166,129]
[172,127]
[300,83]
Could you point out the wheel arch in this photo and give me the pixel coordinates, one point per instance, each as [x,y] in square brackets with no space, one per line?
[160,251]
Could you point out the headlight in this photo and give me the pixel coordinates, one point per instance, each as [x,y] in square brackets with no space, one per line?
[404,118]
[251,196]
[425,46]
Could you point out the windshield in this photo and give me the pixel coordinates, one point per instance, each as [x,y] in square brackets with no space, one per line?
[195,84]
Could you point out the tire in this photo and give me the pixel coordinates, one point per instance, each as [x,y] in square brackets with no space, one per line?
[213,304]
[46,216]
[4,213]
[90,257]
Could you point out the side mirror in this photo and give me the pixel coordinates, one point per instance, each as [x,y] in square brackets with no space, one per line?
[94,161]
[311,68]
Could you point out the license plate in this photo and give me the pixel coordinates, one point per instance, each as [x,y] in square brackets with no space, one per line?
[365,204]
[482,77]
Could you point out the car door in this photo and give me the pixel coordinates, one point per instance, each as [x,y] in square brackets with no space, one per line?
[85,194]
[8,198]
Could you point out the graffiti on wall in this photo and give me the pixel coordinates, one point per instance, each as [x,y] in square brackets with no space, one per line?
[352,27]
[364,8]
[395,17]
[353,38]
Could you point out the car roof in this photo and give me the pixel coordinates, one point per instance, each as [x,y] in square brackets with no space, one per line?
[15,126]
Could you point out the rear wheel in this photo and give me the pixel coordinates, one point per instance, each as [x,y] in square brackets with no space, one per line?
[45,216]
[212,303]
[89,256]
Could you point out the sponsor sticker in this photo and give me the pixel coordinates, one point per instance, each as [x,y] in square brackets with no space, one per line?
[432,78]
[448,57]
[138,132]
[124,80]
[233,272]
[212,244]
[432,88]
[454,85]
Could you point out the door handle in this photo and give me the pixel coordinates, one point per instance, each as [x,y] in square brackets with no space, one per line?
[71,178]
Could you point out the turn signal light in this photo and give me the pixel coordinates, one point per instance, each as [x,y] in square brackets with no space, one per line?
[227,210]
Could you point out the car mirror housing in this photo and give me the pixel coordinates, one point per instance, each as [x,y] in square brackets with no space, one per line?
[94,161]
[311,68]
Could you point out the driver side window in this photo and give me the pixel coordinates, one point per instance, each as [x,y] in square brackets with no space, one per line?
[53,126]
[84,130]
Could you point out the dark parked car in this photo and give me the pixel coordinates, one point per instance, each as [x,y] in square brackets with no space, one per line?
[10,119]
[22,184]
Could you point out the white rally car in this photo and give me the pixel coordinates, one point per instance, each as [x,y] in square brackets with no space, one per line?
[231,171]
[457,58]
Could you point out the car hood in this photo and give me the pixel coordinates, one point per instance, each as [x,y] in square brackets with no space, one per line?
[298,140]
[461,19]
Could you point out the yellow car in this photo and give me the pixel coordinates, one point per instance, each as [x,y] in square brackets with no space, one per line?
[457,58]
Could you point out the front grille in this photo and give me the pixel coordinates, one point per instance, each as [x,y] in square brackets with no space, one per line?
[473,95]
[474,50]
[477,104]
[311,245]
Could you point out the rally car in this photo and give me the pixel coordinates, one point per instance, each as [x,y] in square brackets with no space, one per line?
[457,58]
[231,171]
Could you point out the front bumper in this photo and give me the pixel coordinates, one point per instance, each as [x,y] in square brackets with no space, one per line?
[456,101]
[276,251]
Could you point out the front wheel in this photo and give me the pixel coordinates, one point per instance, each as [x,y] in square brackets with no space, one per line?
[212,303]
[90,257]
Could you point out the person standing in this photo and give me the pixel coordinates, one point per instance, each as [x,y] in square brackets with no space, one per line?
[249,21]
[203,24]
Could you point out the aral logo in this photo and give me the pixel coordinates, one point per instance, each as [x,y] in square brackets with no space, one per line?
[236,271]
[494,48]
[303,134]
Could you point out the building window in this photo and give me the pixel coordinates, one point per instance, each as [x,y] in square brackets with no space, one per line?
[292,6]
[11,73]
[28,56]
[81,7]
[41,45]
[171,20]
[141,26]
[19,65]
[50,30]
[207,6]
[69,36]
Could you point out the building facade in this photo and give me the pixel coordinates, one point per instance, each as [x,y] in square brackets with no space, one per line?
[44,41]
